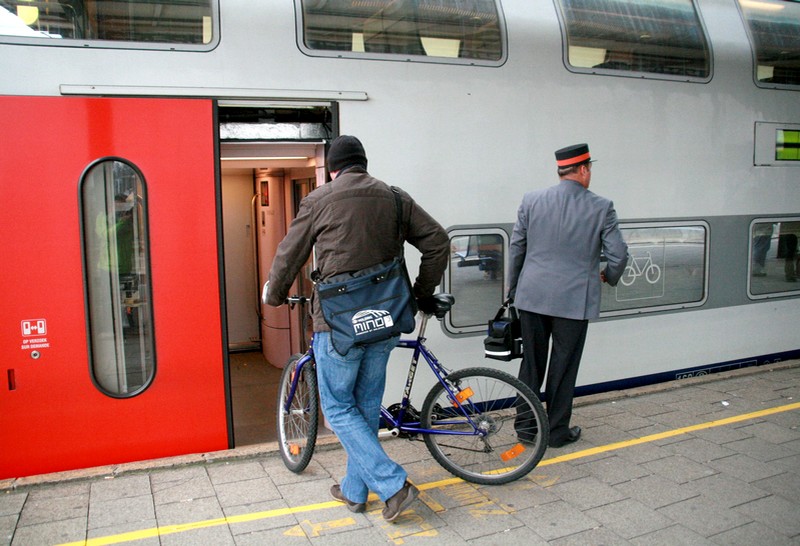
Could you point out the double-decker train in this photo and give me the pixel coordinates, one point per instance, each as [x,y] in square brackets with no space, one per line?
[154,153]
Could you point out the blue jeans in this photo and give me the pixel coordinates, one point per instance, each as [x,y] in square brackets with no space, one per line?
[351,391]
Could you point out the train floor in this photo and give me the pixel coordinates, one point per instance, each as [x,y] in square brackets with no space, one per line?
[705,461]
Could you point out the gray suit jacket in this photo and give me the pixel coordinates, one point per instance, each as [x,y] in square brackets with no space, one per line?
[555,251]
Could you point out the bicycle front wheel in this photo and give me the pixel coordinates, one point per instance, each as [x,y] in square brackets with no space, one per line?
[297,424]
[489,427]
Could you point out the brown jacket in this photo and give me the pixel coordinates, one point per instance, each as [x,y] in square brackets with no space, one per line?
[351,222]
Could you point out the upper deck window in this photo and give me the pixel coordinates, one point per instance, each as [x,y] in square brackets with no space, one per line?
[639,38]
[449,31]
[140,24]
[774,27]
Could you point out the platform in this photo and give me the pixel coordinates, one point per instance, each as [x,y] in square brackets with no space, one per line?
[711,460]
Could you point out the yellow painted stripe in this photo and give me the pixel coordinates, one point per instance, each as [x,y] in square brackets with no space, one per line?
[172,529]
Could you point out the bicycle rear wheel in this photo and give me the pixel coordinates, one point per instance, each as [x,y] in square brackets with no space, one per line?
[297,427]
[504,426]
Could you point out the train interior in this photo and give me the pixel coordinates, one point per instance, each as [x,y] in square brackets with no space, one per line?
[270,159]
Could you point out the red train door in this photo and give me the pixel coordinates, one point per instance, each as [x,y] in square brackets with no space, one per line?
[108,355]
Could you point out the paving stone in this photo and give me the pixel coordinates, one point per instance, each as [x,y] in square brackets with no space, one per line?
[773,433]
[745,468]
[7,526]
[675,535]
[700,450]
[121,529]
[703,516]
[236,471]
[786,485]
[725,490]
[614,470]
[679,469]
[629,518]
[218,536]
[120,511]
[248,491]
[592,536]
[120,487]
[48,509]
[655,491]
[555,520]
[11,503]
[478,520]
[775,512]
[586,493]
[760,449]
[521,494]
[190,487]
[286,536]
[519,535]
[750,534]
[196,510]
[53,532]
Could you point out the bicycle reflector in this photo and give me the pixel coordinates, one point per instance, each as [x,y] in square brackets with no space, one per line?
[464,395]
[515,451]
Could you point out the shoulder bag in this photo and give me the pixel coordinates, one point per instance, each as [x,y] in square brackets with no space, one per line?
[372,304]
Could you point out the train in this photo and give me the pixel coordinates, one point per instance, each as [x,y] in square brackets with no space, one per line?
[154,153]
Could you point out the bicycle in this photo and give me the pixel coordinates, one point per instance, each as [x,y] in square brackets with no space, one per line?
[481,424]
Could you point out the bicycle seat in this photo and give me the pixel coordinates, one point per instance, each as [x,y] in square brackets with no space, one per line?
[443,303]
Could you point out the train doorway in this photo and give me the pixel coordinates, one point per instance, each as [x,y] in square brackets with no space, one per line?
[270,158]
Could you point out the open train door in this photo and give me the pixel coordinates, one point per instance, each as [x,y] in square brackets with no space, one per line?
[111,329]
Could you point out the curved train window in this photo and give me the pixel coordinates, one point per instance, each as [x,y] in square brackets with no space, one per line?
[639,38]
[140,24]
[475,277]
[774,258]
[774,28]
[117,277]
[463,31]
[667,269]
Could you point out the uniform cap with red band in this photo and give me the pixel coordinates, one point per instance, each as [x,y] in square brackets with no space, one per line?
[573,155]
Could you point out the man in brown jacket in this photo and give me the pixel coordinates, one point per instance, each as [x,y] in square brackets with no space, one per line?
[351,222]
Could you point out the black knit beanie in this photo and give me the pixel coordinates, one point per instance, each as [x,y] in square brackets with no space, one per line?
[345,151]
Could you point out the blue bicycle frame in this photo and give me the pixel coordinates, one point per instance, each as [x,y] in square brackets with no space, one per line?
[396,425]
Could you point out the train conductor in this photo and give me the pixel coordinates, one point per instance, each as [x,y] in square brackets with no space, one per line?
[555,279]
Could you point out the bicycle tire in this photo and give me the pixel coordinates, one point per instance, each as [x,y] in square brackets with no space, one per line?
[493,398]
[297,428]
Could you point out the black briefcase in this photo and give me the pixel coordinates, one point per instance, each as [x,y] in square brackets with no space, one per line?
[504,341]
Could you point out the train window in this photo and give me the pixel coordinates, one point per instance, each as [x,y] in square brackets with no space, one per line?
[117,277]
[141,24]
[640,38]
[667,269]
[475,277]
[466,32]
[774,28]
[774,258]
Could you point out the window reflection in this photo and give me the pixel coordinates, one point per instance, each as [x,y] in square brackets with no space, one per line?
[666,268]
[774,257]
[658,37]
[774,28]
[426,29]
[476,278]
[117,278]
[144,21]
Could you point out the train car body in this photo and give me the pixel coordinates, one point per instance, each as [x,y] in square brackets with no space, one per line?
[149,171]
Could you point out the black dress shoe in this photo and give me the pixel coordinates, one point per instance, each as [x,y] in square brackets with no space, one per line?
[572,436]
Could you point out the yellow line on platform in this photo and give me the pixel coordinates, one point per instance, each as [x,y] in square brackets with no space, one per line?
[172,529]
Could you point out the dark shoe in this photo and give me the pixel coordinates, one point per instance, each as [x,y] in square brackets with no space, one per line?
[357,507]
[400,501]
[574,434]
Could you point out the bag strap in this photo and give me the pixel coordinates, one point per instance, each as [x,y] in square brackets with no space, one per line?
[398,205]
[512,311]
